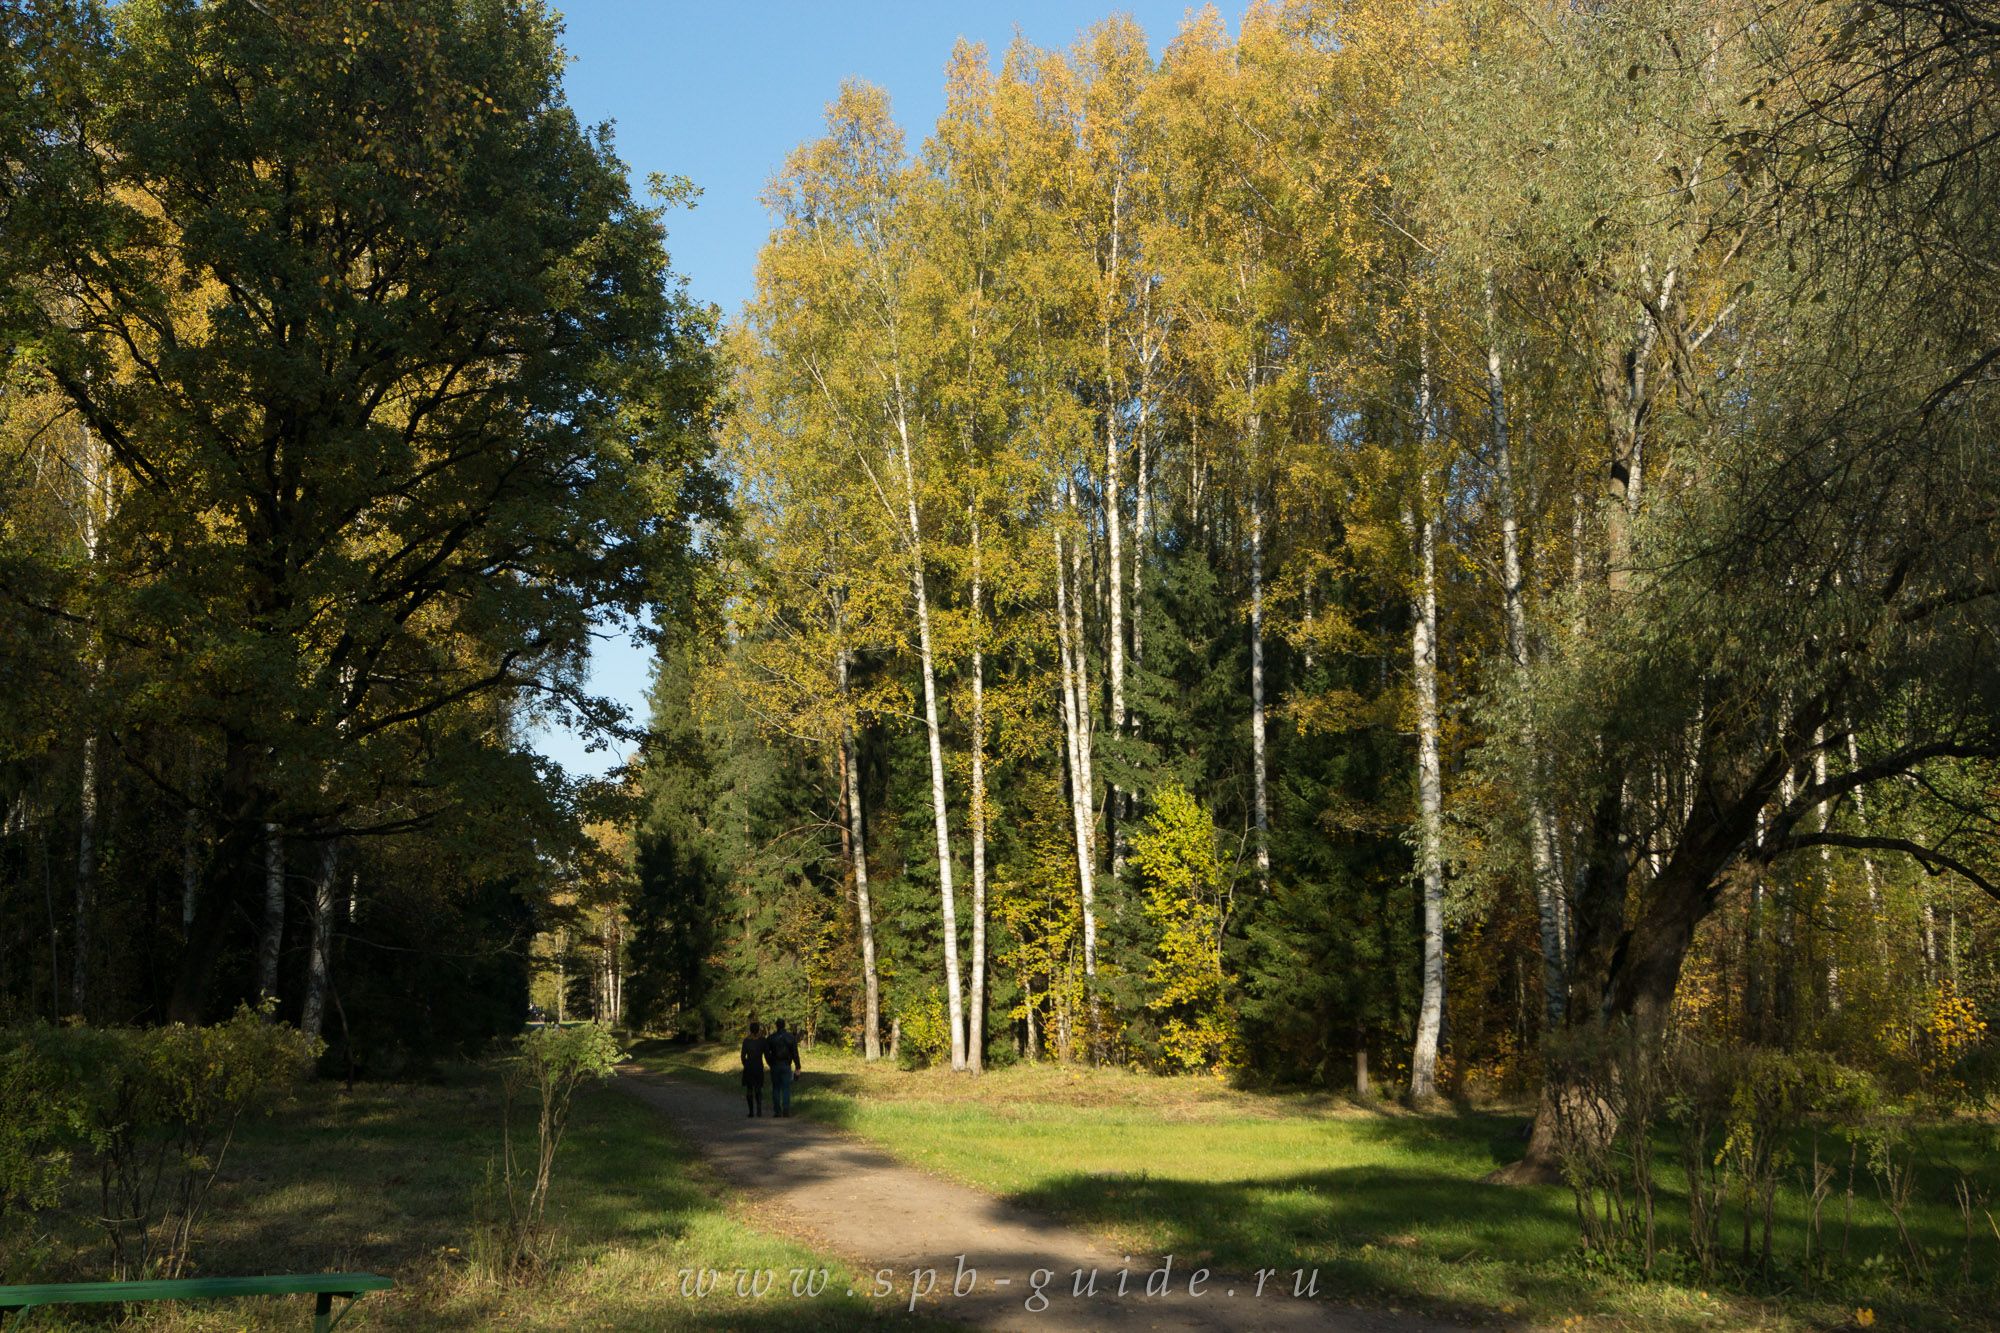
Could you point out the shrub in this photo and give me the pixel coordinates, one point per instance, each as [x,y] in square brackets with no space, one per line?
[926,1030]
[151,1110]
[548,1065]
[35,1161]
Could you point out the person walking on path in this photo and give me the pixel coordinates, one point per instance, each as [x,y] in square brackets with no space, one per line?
[755,1049]
[783,1053]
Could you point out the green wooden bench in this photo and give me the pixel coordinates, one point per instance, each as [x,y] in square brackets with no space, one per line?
[348,1286]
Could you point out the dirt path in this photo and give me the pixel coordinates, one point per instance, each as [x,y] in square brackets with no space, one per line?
[1019,1271]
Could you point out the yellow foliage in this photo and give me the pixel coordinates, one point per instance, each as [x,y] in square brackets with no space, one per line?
[1177,855]
[1945,1026]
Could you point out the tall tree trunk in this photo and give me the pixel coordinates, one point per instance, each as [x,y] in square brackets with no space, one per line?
[86,878]
[1867,861]
[190,866]
[1826,864]
[313,1013]
[1623,376]
[93,474]
[1085,758]
[1253,441]
[947,900]
[1598,943]
[975,1042]
[1753,964]
[1113,540]
[1541,823]
[1076,743]
[271,937]
[1422,524]
[1140,530]
[1306,638]
[871,1023]
[1257,763]
[840,805]
[608,1011]
[1930,933]
[619,967]
[231,882]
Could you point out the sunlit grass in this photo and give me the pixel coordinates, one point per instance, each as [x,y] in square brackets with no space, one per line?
[1386,1202]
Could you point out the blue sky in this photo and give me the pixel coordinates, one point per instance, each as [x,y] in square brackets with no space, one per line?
[720,92]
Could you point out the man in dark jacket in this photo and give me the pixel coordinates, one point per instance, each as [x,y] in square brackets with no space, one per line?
[782,1050]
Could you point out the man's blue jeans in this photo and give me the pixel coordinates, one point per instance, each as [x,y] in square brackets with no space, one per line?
[781,1090]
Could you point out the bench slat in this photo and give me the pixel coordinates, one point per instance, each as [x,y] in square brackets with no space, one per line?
[284,1284]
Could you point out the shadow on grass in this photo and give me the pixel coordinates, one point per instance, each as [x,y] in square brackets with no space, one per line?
[1410,1221]
[394,1179]
[1370,1230]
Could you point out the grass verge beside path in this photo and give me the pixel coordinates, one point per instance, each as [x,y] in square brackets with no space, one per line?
[391,1179]
[1387,1203]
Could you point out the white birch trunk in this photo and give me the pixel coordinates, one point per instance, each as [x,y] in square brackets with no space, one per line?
[1306,639]
[1140,517]
[871,1024]
[948,906]
[93,475]
[976,1024]
[1541,823]
[1257,765]
[613,939]
[1085,723]
[1826,862]
[1253,441]
[1861,814]
[617,971]
[1113,518]
[86,876]
[1087,792]
[1930,933]
[1423,652]
[1074,743]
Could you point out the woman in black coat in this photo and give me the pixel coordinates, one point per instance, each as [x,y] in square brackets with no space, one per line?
[754,1048]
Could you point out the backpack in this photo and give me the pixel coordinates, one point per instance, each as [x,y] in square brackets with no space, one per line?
[782,1049]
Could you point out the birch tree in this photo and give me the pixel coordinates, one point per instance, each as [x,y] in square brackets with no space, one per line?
[846,268]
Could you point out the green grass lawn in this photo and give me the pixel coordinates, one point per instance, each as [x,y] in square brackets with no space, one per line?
[1385,1202]
[390,1178]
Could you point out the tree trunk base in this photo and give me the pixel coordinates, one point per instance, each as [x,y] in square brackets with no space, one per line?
[1527,1171]
[1539,1166]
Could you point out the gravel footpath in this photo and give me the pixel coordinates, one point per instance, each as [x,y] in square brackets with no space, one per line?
[905,1228]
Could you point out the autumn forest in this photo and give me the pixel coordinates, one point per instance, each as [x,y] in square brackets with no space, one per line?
[1433,550]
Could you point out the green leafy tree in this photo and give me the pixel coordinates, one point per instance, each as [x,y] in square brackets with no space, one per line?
[401,396]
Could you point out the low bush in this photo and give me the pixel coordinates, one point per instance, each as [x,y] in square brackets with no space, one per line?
[147,1113]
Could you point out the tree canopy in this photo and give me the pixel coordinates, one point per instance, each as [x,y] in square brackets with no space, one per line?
[360,395]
